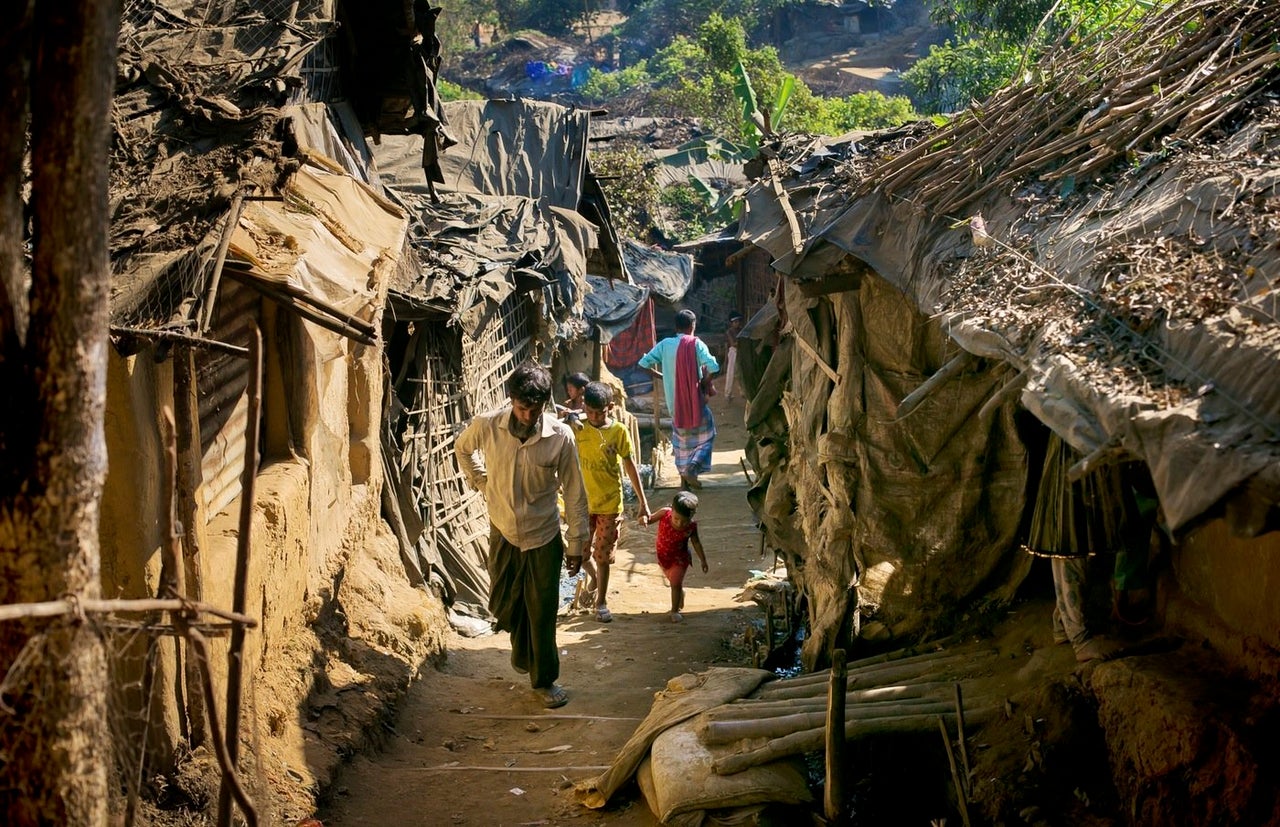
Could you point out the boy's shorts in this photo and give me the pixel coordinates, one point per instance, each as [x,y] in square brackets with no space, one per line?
[604,536]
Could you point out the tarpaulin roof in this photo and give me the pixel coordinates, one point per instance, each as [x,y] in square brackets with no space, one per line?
[510,207]
[198,115]
[1116,247]
[613,305]
[320,245]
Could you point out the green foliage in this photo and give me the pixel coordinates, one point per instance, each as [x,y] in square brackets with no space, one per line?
[1017,21]
[953,75]
[999,36]
[686,212]
[602,86]
[654,23]
[555,17]
[871,110]
[450,91]
[626,173]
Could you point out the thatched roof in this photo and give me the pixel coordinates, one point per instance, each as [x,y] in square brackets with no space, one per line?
[1108,226]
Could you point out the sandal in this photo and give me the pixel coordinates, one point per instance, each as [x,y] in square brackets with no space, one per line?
[603,614]
[553,696]
[676,617]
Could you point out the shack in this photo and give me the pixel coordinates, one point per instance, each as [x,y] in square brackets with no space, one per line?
[1084,254]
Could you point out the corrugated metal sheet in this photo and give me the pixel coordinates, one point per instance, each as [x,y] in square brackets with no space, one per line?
[222,381]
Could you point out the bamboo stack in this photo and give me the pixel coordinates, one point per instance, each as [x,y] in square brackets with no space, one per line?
[887,694]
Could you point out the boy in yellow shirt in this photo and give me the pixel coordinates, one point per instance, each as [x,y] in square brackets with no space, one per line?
[604,452]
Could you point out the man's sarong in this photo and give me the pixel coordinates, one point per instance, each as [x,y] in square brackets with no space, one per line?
[691,447]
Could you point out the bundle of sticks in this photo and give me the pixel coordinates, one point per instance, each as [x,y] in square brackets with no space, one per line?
[885,694]
[1169,77]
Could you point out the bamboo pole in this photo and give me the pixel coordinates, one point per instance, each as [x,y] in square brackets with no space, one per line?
[811,740]
[781,726]
[897,657]
[235,655]
[833,791]
[876,676]
[800,706]
[955,775]
[73,605]
[752,708]
[964,749]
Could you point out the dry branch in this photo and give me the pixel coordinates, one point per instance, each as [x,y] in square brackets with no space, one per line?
[75,605]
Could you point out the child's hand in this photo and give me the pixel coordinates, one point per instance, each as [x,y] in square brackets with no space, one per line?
[705,567]
[643,516]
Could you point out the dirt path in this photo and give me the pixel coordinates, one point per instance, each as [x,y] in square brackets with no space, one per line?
[473,748]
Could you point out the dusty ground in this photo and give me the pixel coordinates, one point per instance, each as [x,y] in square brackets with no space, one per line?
[472,747]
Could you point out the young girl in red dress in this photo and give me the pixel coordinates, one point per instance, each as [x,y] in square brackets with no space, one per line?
[676,530]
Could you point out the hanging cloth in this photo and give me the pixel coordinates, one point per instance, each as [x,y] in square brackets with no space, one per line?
[688,407]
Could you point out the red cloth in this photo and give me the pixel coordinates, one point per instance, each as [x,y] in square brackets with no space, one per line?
[626,348]
[688,409]
[673,543]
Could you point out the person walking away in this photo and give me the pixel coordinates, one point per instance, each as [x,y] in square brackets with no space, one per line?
[519,457]
[604,451]
[677,530]
[731,353]
[683,362]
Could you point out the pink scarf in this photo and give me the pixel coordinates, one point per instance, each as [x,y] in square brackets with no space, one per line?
[688,407]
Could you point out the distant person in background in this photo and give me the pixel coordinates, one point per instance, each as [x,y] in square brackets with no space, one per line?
[731,353]
[475,34]
[685,364]
[520,458]
[575,385]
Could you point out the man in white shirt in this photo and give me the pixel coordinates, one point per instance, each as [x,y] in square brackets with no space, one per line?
[520,458]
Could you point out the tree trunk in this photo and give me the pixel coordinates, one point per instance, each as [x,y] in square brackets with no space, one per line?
[59,74]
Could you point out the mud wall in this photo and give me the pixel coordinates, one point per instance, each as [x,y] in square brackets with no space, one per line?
[1225,582]
[334,606]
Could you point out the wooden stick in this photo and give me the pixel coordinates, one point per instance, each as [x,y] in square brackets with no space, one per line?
[240,588]
[447,768]
[833,792]
[964,749]
[200,650]
[955,775]
[74,605]
[944,374]
[811,740]
[220,259]
[813,354]
[727,732]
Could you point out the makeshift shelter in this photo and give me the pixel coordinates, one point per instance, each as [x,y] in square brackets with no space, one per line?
[624,314]
[251,254]
[1094,246]
[503,254]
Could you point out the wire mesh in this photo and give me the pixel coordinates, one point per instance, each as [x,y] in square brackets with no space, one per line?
[140,653]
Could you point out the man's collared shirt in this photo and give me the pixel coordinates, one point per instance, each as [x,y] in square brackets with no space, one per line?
[520,480]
